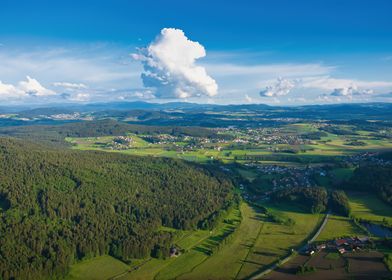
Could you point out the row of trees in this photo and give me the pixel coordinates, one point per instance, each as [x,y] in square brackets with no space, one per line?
[60,206]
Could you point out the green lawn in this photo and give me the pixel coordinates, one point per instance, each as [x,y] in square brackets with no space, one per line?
[102,267]
[369,207]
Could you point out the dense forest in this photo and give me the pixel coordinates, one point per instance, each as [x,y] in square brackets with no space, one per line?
[60,206]
[373,178]
[315,199]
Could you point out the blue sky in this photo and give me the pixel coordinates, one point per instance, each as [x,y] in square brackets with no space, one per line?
[275,52]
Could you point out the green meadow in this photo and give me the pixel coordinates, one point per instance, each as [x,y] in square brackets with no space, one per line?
[338,226]
[369,207]
[97,268]
[227,262]
[274,241]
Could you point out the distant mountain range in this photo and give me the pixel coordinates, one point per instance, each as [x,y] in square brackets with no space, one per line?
[68,107]
[192,114]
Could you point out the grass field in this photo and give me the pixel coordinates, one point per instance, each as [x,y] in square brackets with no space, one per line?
[338,226]
[102,267]
[369,207]
[226,263]
[275,240]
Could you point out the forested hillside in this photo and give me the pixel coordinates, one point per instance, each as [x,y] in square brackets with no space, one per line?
[55,134]
[58,206]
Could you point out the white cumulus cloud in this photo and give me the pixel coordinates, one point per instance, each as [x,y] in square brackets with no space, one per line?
[8,90]
[32,87]
[280,88]
[29,87]
[351,91]
[170,66]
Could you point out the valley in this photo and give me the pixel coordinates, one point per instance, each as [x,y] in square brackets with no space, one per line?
[280,182]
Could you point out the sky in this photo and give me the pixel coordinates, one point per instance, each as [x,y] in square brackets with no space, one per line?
[278,52]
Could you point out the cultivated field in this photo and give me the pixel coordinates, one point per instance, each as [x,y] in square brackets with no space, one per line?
[359,265]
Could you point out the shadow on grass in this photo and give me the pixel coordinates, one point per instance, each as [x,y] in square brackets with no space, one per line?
[266,254]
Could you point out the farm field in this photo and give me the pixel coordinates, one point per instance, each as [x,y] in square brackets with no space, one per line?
[276,240]
[205,155]
[201,150]
[369,207]
[359,265]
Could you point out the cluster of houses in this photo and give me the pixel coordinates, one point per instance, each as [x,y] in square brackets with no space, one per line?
[269,136]
[341,245]
[121,143]
[293,176]
[370,157]
[191,143]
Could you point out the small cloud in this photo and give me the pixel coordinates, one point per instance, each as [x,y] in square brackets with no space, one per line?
[350,92]
[280,88]
[146,94]
[71,86]
[248,98]
[80,97]
[170,69]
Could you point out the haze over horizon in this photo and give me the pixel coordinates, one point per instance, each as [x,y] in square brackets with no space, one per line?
[280,53]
